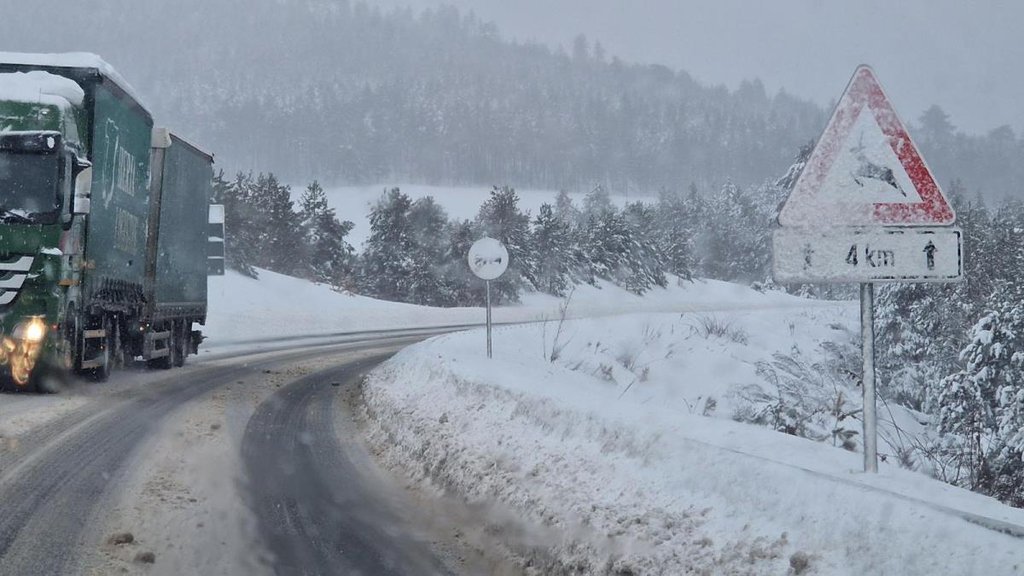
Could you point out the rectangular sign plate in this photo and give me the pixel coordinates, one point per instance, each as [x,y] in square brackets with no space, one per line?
[867,255]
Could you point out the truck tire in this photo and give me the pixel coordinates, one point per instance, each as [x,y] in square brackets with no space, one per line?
[45,379]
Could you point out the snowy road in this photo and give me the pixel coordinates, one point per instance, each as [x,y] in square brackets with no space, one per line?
[230,464]
[319,511]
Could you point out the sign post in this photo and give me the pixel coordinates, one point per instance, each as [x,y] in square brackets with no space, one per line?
[488,259]
[866,209]
[867,335]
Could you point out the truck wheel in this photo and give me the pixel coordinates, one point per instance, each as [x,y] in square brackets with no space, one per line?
[46,379]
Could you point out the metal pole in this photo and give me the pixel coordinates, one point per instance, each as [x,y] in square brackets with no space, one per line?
[488,318]
[867,333]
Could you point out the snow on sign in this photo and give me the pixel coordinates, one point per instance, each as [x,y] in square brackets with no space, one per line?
[865,170]
[867,255]
[488,259]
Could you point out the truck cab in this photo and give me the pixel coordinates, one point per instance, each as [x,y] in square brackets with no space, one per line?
[44,192]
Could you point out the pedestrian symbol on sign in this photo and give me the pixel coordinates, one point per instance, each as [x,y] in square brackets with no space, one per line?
[808,252]
[929,251]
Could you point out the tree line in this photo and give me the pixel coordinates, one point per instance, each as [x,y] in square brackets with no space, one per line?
[416,253]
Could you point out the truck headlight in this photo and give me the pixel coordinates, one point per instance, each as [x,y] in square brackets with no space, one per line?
[32,330]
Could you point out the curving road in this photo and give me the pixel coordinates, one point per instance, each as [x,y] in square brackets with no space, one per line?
[319,507]
[319,512]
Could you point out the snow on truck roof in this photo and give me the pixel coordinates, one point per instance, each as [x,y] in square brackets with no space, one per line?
[41,87]
[72,60]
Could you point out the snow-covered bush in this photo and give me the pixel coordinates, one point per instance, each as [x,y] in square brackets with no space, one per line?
[810,399]
[981,407]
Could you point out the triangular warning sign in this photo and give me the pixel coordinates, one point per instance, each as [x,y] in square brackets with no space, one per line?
[865,170]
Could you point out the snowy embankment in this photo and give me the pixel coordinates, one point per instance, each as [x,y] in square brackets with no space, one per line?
[245,310]
[621,456]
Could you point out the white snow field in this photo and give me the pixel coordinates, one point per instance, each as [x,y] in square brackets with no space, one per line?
[274,306]
[614,459]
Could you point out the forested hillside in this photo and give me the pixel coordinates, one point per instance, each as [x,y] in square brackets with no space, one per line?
[344,93]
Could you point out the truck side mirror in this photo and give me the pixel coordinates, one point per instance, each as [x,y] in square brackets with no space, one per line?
[83,191]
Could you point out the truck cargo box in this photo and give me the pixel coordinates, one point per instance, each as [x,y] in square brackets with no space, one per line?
[181,184]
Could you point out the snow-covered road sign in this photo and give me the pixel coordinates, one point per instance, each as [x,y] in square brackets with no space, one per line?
[856,214]
[865,170]
[867,255]
[488,258]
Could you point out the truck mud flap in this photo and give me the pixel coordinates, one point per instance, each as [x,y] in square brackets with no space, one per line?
[97,362]
[156,345]
[196,339]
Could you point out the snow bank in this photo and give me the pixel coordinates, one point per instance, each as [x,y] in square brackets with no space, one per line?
[606,454]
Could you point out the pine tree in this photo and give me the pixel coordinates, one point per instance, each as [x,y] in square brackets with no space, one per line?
[428,225]
[916,337]
[501,219]
[597,202]
[642,258]
[461,287]
[674,221]
[580,270]
[565,210]
[329,254]
[606,243]
[732,243]
[551,237]
[242,224]
[280,237]
[220,188]
[387,262]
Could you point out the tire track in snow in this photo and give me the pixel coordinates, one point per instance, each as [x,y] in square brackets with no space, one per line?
[319,511]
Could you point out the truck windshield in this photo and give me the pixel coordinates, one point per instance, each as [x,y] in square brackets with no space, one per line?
[28,187]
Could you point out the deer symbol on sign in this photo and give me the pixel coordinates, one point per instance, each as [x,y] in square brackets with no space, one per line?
[868,170]
[482,261]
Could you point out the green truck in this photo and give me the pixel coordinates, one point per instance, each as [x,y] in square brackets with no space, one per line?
[103,225]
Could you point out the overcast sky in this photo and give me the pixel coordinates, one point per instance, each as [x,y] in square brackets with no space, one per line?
[968,57]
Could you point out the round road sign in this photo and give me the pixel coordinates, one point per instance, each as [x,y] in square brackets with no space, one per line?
[488,259]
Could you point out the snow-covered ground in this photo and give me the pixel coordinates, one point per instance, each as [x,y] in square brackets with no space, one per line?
[274,306]
[355,202]
[622,457]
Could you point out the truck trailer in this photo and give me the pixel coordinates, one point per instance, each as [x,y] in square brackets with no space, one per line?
[103,224]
